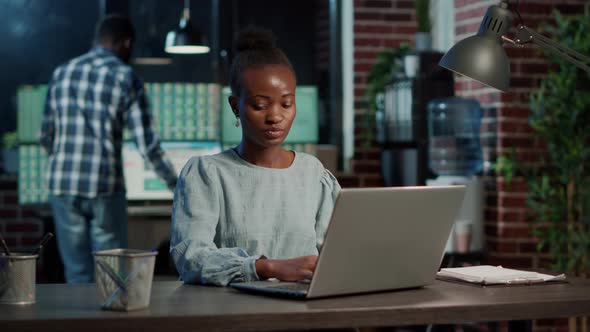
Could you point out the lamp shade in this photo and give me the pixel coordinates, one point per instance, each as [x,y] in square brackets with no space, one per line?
[480,58]
[185,39]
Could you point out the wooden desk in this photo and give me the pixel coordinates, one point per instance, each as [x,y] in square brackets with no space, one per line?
[177,307]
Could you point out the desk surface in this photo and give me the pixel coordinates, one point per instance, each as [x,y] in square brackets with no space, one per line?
[177,307]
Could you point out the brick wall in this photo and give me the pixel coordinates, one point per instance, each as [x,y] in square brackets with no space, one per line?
[378,24]
[19,226]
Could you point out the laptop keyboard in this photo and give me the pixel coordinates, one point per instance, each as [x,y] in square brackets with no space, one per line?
[293,287]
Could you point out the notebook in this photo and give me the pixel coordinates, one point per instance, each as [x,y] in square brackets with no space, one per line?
[495,275]
[378,239]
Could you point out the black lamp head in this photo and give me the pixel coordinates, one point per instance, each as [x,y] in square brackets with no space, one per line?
[186,39]
[482,57]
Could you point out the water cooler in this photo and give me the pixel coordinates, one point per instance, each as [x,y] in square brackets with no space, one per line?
[455,156]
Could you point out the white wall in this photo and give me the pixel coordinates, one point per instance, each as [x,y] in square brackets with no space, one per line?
[348,82]
[442,15]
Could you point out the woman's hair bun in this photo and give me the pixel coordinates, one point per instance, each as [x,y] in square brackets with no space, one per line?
[254,38]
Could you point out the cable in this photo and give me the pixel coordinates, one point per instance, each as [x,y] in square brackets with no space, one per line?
[518,13]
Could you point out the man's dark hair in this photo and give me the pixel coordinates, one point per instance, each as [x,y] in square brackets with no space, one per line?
[114,28]
[254,47]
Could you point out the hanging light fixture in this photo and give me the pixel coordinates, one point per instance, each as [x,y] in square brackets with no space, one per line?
[185,39]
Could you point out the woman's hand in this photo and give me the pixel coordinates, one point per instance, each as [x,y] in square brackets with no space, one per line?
[293,269]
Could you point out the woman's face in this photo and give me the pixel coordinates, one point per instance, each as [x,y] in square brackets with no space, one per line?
[266,106]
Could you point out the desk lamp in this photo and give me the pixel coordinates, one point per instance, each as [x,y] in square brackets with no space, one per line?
[482,57]
[185,39]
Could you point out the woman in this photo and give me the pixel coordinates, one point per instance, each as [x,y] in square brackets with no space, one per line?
[234,209]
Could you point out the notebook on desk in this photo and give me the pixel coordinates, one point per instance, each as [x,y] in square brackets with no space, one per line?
[484,275]
[378,239]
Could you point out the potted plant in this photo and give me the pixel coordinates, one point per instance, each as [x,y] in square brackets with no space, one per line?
[560,191]
[10,152]
[389,63]
[423,37]
[559,184]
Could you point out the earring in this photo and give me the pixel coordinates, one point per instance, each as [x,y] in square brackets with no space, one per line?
[237,122]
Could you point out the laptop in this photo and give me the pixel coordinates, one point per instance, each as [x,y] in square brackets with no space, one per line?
[378,239]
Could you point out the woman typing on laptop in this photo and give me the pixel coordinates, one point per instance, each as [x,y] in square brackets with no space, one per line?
[234,209]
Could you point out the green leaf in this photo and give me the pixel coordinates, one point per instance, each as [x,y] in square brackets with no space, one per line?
[560,116]
[423,15]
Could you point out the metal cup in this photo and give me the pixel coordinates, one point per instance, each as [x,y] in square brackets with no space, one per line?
[17,278]
[124,278]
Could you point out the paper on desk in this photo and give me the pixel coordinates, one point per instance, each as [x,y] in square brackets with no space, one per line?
[489,275]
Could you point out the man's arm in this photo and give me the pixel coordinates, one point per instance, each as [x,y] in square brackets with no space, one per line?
[148,143]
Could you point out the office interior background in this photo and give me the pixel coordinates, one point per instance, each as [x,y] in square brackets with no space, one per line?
[334,47]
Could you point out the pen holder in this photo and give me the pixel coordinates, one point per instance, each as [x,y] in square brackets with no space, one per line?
[124,278]
[17,278]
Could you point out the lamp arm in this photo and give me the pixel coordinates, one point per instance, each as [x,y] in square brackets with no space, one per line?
[525,35]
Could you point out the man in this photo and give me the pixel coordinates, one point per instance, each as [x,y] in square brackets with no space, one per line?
[90,100]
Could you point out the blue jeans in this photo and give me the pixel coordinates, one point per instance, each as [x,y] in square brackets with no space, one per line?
[84,225]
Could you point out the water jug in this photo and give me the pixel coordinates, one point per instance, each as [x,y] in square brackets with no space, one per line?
[453,136]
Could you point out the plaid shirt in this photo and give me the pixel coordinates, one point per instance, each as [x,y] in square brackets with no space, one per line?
[89,101]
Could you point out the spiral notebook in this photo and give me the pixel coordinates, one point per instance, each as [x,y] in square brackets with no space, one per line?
[495,275]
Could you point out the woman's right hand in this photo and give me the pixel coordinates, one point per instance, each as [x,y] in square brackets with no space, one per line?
[294,269]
